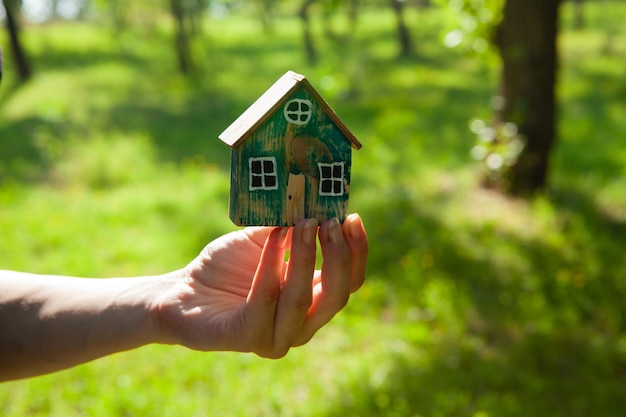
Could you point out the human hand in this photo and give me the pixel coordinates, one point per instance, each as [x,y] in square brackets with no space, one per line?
[240,294]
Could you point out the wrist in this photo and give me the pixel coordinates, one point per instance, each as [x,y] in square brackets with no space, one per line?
[161,293]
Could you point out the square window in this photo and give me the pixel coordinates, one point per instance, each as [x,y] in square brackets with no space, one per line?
[331,179]
[263,173]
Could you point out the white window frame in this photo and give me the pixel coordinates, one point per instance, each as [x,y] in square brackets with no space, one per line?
[263,175]
[332,178]
[298,113]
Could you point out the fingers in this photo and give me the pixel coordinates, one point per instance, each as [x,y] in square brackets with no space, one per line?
[258,235]
[333,291]
[296,296]
[355,234]
[265,290]
[288,304]
[336,268]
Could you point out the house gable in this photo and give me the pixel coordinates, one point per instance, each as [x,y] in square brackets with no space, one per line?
[270,102]
[285,148]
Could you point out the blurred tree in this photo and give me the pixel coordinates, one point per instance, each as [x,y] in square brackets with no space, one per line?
[353,14]
[579,14]
[54,9]
[196,11]
[404,35]
[516,145]
[526,40]
[117,10]
[181,36]
[187,16]
[307,35]
[331,8]
[22,63]
[266,11]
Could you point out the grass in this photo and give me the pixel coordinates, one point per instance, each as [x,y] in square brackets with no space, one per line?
[475,304]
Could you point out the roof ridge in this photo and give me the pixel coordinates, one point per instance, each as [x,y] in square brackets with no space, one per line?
[269,101]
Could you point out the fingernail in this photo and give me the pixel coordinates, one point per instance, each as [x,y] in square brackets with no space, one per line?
[310,231]
[334,231]
[355,226]
[282,237]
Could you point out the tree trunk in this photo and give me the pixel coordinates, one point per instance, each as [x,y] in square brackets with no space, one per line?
[404,35]
[19,55]
[309,45]
[266,14]
[183,49]
[579,14]
[527,42]
[1,57]
[353,14]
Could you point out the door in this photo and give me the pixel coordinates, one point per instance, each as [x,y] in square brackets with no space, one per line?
[295,198]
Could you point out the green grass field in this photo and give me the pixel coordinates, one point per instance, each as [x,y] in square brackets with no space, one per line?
[475,304]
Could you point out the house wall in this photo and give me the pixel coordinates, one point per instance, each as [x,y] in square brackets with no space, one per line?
[297,150]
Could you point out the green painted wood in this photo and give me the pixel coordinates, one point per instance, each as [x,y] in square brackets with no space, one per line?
[297,149]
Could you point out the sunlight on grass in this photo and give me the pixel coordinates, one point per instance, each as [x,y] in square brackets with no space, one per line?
[106,162]
[125,230]
[475,305]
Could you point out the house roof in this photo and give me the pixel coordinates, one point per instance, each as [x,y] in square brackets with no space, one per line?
[271,100]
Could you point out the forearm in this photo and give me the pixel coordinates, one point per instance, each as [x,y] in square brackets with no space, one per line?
[48,323]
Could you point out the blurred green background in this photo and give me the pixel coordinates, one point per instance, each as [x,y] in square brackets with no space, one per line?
[476,304]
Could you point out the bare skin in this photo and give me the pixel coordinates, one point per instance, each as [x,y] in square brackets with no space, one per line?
[239,294]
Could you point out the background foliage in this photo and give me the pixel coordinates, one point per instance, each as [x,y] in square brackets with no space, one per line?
[475,304]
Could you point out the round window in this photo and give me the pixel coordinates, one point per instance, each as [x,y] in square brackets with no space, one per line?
[298,111]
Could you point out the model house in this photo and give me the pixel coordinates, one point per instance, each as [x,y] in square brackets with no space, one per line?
[290,158]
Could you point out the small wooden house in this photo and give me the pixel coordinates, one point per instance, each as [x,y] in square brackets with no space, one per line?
[290,158]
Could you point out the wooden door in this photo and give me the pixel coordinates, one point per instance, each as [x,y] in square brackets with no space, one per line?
[295,198]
